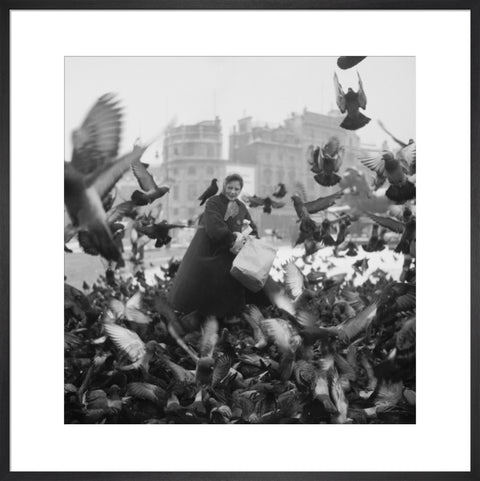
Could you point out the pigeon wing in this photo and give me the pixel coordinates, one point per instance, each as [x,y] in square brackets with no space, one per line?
[294,280]
[106,180]
[362,98]
[147,391]
[352,327]
[143,176]
[120,211]
[339,94]
[322,203]
[387,222]
[377,164]
[278,333]
[98,139]
[125,340]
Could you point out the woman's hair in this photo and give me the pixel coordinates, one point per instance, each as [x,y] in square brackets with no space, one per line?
[233,178]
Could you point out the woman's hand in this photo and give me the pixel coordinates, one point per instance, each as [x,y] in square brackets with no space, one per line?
[240,240]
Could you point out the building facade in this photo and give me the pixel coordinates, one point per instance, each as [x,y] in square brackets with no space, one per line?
[279,154]
[192,157]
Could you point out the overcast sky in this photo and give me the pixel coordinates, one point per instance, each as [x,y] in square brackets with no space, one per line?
[155,90]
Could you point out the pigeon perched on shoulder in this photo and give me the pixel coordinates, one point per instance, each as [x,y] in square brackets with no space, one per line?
[211,191]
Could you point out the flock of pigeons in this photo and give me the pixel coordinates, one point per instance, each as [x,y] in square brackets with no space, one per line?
[324,351]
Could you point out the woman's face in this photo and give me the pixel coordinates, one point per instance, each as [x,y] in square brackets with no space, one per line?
[232,189]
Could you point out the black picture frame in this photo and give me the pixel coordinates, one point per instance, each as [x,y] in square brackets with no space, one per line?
[5,8]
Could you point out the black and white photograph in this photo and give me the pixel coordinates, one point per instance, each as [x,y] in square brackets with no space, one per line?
[240,240]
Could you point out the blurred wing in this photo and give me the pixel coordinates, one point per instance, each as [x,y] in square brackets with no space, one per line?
[339,94]
[69,232]
[109,200]
[360,322]
[305,318]
[221,368]
[135,315]
[144,390]
[125,209]
[377,164]
[209,337]
[398,141]
[117,307]
[299,189]
[135,301]
[107,179]
[125,340]
[408,153]
[143,176]
[98,139]
[254,317]
[362,98]
[322,202]
[294,280]
[387,222]
[278,333]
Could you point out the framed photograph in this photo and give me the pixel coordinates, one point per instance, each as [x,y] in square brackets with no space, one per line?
[239,205]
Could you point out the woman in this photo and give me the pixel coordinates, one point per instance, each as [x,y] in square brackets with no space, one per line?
[203,282]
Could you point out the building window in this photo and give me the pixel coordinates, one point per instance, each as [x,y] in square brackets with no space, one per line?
[268,156]
[192,170]
[175,212]
[210,170]
[191,212]
[280,175]
[210,151]
[175,172]
[175,192]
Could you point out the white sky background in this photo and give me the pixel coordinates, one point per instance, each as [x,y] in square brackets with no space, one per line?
[154,90]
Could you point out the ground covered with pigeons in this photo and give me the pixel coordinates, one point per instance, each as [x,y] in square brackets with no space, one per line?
[328,350]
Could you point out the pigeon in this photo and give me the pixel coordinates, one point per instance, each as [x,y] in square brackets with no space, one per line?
[94,171]
[280,191]
[130,310]
[342,230]
[140,354]
[348,62]
[396,170]
[407,229]
[407,152]
[114,215]
[326,161]
[325,233]
[376,242]
[266,202]
[151,191]
[159,232]
[211,191]
[351,102]
[308,227]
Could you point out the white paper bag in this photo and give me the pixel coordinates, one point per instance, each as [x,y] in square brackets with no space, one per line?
[253,263]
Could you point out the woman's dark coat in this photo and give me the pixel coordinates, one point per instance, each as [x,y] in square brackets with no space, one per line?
[203,282]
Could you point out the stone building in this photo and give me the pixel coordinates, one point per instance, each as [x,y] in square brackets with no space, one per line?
[192,157]
[279,154]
